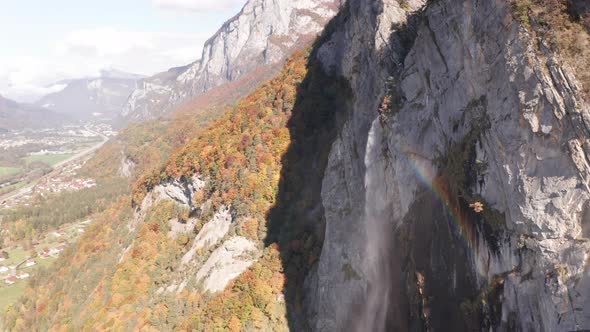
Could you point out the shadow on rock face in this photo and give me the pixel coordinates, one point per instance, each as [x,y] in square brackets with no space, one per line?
[586,221]
[297,222]
[580,9]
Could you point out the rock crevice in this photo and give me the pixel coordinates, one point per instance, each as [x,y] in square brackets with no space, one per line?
[518,261]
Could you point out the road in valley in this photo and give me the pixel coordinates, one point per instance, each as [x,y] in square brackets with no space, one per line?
[56,168]
[84,153]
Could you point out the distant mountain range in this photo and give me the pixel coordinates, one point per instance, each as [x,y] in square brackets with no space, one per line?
[245,47]
[97,98]
[16,116]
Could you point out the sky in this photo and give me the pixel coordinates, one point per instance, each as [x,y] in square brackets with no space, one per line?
[46,41]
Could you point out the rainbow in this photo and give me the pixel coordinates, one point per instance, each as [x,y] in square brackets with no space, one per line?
[439,186]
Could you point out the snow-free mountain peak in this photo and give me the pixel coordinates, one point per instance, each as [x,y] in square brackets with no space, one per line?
[93,98]
[262,34]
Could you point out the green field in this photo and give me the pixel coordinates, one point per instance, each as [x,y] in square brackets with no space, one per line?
[5,171]
[13,187]
[84,146]
[44,262]
[50,159]
[16,256]
[9,294]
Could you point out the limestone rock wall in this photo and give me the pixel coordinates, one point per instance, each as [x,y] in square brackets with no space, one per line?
[459,74]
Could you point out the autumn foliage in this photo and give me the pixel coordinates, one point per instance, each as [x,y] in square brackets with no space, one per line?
[111,280]
[240,154]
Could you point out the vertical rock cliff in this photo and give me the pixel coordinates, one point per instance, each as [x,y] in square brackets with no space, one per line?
[424,167]
[456,194]
[262,34]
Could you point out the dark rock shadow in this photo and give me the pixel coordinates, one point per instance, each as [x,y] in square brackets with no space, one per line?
[296,222]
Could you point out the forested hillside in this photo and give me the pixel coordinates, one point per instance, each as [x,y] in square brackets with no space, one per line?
[424,166]
[256,159]
[145,146]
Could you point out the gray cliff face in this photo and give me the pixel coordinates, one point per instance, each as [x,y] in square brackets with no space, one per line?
[475,113]
[263,33]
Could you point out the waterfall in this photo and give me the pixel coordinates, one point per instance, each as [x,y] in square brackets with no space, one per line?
[373,315]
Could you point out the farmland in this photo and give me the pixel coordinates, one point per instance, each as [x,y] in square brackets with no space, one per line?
[49,159]
[44,253]
[5,171]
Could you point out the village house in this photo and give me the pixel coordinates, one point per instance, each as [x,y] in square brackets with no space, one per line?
[30,262]
[3,269]
[22,275]
[56,250]
[10,280]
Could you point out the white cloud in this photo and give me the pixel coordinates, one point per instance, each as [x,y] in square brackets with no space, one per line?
[26,78]
[29,92]
[84,53]
[104,42]
[198,5]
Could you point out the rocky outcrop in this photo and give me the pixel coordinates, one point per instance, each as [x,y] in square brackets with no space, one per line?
[179,227]
[181,191]
[226,263]
[476,115]
[263,33]
[178,190]
[216,256]
[127,167]
[211,233]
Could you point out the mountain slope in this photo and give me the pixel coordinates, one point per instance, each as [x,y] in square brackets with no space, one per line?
[424,168]
[162,284]
[101,98]
[262,34]
[147,145]
[16,116]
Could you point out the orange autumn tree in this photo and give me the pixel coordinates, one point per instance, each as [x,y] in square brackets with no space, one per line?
[265,159]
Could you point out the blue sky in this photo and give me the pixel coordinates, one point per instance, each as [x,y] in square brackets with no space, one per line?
[49,40]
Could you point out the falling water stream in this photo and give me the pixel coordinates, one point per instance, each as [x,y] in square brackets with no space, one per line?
[378,221]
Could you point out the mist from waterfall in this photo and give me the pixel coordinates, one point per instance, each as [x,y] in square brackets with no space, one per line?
[373,315]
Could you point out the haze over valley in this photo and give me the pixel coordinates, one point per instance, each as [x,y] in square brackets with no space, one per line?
[295,165]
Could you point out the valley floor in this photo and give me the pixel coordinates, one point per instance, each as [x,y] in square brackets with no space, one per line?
[64,167]
[20,264]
